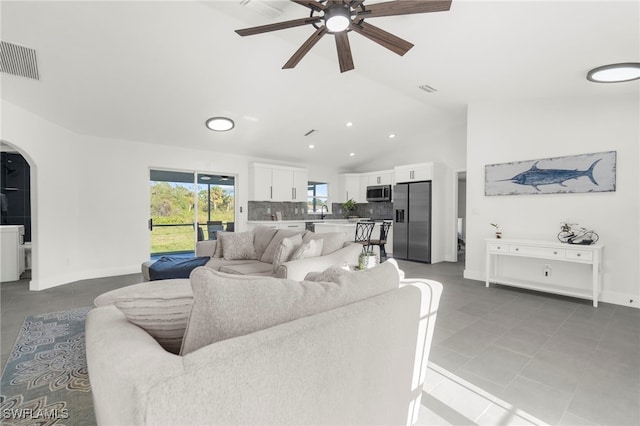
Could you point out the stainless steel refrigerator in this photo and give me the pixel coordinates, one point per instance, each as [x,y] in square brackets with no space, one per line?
[412,221]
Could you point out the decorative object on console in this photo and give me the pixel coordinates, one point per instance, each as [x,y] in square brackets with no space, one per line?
[594,172]
[498,232]
[571,233]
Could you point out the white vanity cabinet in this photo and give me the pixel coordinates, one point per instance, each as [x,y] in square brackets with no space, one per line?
[577,254]
[12,252]
[277,183]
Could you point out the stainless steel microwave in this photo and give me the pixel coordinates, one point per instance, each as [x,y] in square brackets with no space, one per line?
[379,193]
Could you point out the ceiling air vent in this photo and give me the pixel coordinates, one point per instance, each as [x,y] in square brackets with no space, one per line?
[269,8]
[18,60]
[427,88]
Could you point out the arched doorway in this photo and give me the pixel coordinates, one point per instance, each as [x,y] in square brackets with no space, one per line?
[16,209]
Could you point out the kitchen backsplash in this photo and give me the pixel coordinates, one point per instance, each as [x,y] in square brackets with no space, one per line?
[262,210]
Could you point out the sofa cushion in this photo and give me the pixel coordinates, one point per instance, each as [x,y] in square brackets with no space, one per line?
[217,263]
[254,268]
[262,236]
[226,306]
[237,245]
[267,256]
[285,249]
[332,241]
[160,308]
[311,248]
[218,250]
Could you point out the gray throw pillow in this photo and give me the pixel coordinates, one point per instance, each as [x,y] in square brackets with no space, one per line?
[267,256]
[285,249]
[226,306]
[237,245]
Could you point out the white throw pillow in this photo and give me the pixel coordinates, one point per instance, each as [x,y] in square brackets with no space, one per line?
[312,248]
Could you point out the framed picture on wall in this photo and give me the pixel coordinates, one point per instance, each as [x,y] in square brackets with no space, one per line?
[594,172]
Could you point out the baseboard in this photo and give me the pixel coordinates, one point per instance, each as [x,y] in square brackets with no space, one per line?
[43,284]
[622,299]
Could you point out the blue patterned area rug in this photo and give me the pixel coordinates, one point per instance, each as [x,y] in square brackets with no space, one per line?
[45,381]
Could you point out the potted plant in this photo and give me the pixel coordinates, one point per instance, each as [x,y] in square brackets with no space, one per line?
[498,232]
[367,259]
[348,207]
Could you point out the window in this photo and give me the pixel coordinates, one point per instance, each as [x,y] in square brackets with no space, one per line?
[317,196]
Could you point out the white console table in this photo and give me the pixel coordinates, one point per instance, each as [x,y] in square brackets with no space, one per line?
[591,255]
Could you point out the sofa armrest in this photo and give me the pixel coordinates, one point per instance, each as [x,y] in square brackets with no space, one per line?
[298,269]
[206,248]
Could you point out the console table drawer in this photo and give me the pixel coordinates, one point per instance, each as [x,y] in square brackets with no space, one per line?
[503,248]
[546,252]
[580,255]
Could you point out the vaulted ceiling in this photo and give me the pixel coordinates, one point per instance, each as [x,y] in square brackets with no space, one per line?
[155,71]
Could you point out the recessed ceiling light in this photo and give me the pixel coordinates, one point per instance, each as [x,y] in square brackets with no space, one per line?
[311,146]
[392,135]
[205,177]
[615,73]
[349,124]
[220,124]
[351,154]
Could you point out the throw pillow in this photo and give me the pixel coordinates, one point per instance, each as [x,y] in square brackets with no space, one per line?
[226,306]
[312,248]
[332,241]
[218,251]
[285,249]
[262,236]
[267,256]
[237,245]
[164,318]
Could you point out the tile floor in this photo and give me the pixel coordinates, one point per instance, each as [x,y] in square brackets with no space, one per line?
[500,356]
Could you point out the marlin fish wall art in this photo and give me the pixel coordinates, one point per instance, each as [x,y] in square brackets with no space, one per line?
[572,174]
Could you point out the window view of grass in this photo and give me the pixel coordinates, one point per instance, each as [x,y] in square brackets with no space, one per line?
[173,211]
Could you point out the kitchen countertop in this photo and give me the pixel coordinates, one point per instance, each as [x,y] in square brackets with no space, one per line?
[306,221]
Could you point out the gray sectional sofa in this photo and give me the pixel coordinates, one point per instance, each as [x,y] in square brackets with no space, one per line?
[350,347]
[260,252]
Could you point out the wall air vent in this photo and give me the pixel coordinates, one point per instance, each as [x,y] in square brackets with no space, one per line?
[18,60]
[427,88]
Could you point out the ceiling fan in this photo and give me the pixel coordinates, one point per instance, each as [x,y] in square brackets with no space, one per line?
[338,17]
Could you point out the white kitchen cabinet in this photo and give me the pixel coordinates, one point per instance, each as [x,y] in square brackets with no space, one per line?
[413,172]
[277,183]
[350,188]
[383,177]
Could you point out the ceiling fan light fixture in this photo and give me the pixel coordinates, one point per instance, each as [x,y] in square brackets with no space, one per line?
[220,124]
[337,18]
[615,73]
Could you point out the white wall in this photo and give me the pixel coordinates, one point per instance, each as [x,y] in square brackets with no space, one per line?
[517,131]
[91,195]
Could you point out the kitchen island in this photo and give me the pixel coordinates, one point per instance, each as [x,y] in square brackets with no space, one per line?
[350,228]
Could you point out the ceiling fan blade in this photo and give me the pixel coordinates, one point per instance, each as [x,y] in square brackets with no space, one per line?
[344,51]
[404,7]
[383,38]
[305,48]
[278,26]
[311,4]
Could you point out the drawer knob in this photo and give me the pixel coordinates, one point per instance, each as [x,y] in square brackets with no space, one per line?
[498,247]
[555,252]
[578,254]
[517,249]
